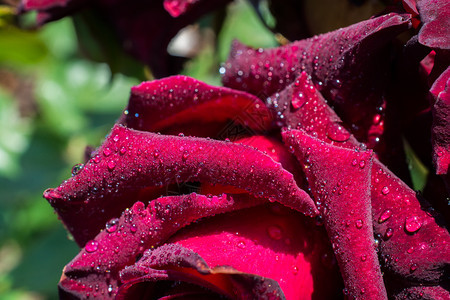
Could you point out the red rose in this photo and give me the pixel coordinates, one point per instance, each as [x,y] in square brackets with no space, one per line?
[209,191]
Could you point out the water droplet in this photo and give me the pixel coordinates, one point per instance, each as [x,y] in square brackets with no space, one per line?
[362,164]
[389,232]
[413,224]
[410,250]
[116,138]
[123,150]
[111,226]
[274,232]
[413,267]
[385,190]
[319,220]
[241,244]
[385,215]
[298,100]
[91,246]
[363,257]
[337,133]
[133,228]
[185,155]
[354,162]
[359,223]
[294,269]
[110,288]
[107,152]
[76,169]
[111,165]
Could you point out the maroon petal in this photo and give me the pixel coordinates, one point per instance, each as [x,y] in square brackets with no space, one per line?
[345,64]
[180,100]
[441,122]
[138,228]
[435,32]
[423,293]
[341,189]
[174,263]
[414,246]
[271,241]
[178,7]
[130,161]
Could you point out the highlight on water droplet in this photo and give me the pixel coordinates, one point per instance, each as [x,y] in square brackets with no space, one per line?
[388,234]
[384,216]
[77,168]
[111,226]
[413,224]
[111,165]
[107,152]
[385,190]
[337,132]
[91,246]
[359,223]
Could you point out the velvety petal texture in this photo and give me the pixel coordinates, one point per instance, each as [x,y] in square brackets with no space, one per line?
[344,201]
[174,263]
[441,122]
[435,31]
[131,161]
[181,102]
[124,239]
[412,244]
[346,65]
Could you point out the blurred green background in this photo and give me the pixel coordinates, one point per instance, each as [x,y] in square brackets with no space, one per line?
[53,103]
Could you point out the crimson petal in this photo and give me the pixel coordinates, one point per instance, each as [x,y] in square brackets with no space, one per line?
[423,293]
[346,208]
[435,32]
[345,64]
[414,246]
[138,228]
[441,122]
[175,263]
[180,100]
[130,161]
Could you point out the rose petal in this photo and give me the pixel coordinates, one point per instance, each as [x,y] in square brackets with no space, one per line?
[435,32]
[345,64]
[419,248]
[139,228]
[175,263]
[271,241]
[178,7]
[180,100]
[345,199]
[130,161]
[423,293]
[441,122]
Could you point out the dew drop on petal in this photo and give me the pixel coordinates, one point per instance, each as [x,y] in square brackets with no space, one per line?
[413,267]
[298,100]
[384,216]
[389,232]
[337,133]
[111,165]
[91,246]
[77,168]
[410,250]
[111,226]
[107,152]
[359,223]
[385,190]
[274,232]
[413,224]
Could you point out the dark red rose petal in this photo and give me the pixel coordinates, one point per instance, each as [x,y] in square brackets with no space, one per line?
[174,263]
[271,241]
[441,122]
[348,65]
[435,32]
[180,100]
[412,244]
[341,189]
[178,7]
[138,228]
[423,293]
[130,161]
